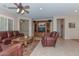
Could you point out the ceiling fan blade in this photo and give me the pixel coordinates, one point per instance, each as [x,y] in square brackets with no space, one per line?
[26,11]
[12,7]
[20,5]
[27,7]
[16,4]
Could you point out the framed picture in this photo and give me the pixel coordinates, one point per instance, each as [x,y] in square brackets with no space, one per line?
[71,25]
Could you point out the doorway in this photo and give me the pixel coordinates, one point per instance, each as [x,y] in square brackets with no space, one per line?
[60,27]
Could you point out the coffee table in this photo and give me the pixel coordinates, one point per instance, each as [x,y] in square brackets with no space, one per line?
[20,40]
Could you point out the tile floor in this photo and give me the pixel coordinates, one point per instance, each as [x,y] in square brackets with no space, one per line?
[63,48]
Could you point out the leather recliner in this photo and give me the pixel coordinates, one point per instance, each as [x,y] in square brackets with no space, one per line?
[49,39]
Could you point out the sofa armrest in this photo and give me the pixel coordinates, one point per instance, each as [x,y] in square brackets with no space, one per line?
[0,39]
[14,50]
[21,34]
[1,49]
[5,39]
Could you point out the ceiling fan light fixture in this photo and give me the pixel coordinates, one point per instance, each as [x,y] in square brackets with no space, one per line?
[18,10]
[22,11]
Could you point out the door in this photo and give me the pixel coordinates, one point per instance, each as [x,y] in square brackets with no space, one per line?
[60,27]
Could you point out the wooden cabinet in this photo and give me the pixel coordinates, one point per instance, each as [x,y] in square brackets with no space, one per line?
[40,27]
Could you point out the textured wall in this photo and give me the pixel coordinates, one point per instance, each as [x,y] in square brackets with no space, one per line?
[70,33]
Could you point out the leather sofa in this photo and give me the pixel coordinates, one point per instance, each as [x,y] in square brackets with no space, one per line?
[18,34]
[7,36]
[14,50]
[49,39]
[0,48]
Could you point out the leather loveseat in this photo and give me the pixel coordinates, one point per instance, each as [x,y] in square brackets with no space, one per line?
[7,36]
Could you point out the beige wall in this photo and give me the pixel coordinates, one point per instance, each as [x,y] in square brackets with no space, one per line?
[70,33]
[27,29]
[7,14]
[24,27]
[16,24]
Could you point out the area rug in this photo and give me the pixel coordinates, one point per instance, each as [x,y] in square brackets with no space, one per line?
[29,49]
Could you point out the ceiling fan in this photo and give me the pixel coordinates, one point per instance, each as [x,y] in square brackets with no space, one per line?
[20,8]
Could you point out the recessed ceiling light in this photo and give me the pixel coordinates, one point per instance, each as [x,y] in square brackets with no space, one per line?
[41,8]
[76,11]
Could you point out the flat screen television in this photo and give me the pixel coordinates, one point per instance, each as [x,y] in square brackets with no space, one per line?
[41,29]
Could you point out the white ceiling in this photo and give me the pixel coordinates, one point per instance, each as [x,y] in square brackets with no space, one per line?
[49,9]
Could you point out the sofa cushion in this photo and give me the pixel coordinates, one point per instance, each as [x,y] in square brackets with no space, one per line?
[6,41]
[10,33]
[1,49]
[3,35]
[53,34]
[15,33]
[46,34]
[0,36]
[50,40]
[0,39]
